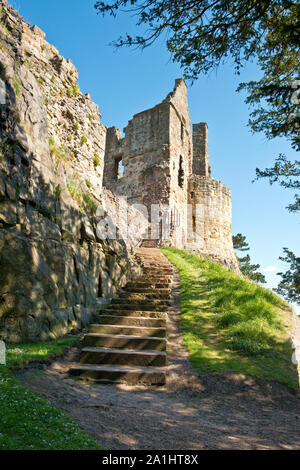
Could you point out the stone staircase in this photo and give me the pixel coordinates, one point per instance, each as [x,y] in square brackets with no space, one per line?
[128,342]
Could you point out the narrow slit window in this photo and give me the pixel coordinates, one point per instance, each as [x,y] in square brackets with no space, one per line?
[180,173]
[100,292]
[194,224]
[160,229]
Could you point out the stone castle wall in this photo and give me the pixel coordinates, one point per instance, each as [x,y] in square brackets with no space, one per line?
[180,161]
[210,229]
[201,164]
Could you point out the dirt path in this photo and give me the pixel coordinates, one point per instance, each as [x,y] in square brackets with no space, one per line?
[192,411]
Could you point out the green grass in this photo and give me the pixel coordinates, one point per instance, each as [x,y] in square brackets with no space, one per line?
[58,191]
[24,353]
[83,140]
[17,85]
[91,204]
[75,90]
[59,152]
[29,422]
[232,324]
[40,81]
[74,190]
[96,160]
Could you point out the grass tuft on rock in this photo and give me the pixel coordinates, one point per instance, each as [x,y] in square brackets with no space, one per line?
[232,324]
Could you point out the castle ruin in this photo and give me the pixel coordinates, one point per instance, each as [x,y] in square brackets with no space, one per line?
[160,162]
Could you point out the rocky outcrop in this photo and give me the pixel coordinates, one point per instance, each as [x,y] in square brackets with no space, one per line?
[53,267]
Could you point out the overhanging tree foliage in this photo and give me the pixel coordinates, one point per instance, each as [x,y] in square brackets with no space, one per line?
[249,270]
[239,242]
[286,174]
[289,287]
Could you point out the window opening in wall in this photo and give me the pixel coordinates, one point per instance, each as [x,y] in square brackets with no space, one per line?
[182,132]
[194,224]
[119,168]
[172,225]
[180,173]
[160,236]
[192,195]
[100,293]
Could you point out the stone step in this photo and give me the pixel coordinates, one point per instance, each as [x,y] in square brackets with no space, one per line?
[154,302]
[140,286]
[154,295]
[157,265]
[149,244]
[125,341]
[155,281]
[120,374]
[131,321]
[134,313]
[157,277]
[155,332]
[158,271]
[151,255]
[148,290]
[123,357]
[149,307]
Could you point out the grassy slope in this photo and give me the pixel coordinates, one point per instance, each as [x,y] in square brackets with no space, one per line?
[27,421]
[230,323]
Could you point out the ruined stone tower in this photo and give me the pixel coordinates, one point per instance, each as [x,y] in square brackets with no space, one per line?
[159,162]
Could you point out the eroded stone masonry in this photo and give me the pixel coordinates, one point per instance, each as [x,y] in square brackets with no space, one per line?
[58,163]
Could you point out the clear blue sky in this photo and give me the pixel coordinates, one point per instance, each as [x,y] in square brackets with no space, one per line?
[127,81]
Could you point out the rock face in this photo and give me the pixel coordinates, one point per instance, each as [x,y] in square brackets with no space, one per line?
[53,268]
